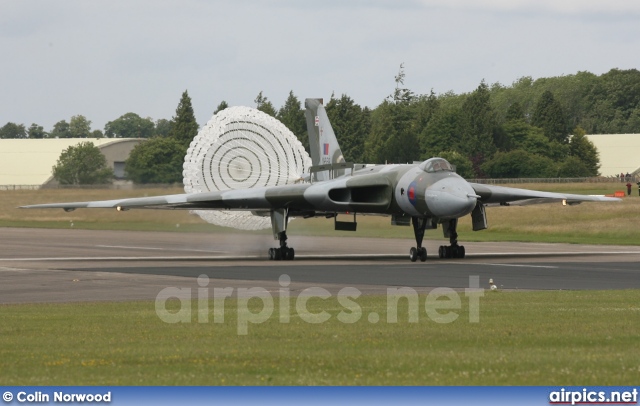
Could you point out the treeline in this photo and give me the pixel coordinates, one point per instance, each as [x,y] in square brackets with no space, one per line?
[129,125]
[532,128]
[157,160]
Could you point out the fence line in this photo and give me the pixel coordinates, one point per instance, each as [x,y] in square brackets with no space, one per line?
[595,179]
[498,181]
[96,187]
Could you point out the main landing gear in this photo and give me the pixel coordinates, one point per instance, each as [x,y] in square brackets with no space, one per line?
[279,226]
[454,250]
[283,253]
[419,225]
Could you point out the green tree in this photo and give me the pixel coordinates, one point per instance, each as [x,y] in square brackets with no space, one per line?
[515,112]
[573,167]
[13,130]
[60,130]
[158,160]
[532,139]
[478,126]
[392,137]
[549,115]
[351,126]
[442,133]
[82,164]
[581,148]
[96,134]
[611,100]
[129,125]
[223,105]
[292,116]
[79,127]
[401,94]
[519,131]
[264,105]
[633,123]
[184,127]
[424,108]
[381,130]
[519,164]
[36,132]
[463,165]
[163,127]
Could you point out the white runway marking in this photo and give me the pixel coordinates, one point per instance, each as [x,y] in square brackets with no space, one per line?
[514,265]
[203,258]
[506,254]
[154,248]
[198,258]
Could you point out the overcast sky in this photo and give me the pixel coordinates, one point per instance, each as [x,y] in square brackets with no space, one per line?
[102,59]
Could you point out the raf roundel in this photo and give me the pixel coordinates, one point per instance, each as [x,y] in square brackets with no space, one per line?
[411,193]
[242,148]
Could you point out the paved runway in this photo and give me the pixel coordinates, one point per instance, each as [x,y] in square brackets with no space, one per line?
[39,265]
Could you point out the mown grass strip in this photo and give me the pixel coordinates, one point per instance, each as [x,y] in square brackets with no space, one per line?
[523,338]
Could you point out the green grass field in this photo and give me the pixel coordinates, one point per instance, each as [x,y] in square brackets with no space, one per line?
[522,338]
[587,223]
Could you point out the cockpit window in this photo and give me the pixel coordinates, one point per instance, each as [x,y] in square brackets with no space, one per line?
[436,165]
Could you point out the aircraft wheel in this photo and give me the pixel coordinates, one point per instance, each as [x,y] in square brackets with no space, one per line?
[461,251]
[292,254]
[423,254]
[272,254]
[441,253]
[277,254]
[413,254]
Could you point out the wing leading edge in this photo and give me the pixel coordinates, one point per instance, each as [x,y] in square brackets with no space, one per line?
[491,194]
[245,199]
[367,194]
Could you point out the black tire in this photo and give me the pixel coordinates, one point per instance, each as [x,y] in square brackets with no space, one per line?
[461,251]
[271,254]
[441,251]
[292,254]
[413,254]
[277,254]
[423,254]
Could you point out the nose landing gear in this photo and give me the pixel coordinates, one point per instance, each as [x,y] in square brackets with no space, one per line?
[419,225]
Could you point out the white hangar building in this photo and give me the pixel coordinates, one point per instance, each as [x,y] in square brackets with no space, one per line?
[30,161]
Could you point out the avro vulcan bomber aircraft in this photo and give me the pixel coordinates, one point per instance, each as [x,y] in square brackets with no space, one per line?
[423,195]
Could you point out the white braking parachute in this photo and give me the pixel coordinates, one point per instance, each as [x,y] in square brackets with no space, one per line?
[241,148]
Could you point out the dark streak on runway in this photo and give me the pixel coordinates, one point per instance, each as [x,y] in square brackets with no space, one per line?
[81,265]
[558,275]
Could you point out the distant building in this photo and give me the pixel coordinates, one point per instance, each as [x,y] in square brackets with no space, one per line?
[30,162]
[619,153]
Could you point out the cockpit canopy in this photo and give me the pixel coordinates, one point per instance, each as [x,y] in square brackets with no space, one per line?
[436,165]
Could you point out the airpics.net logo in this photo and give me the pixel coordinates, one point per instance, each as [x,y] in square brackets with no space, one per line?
[441,305]
[599,397]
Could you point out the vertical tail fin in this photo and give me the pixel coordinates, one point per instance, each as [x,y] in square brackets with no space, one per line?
[322,140]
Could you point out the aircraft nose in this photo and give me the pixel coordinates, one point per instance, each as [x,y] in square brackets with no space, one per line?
[451,198]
